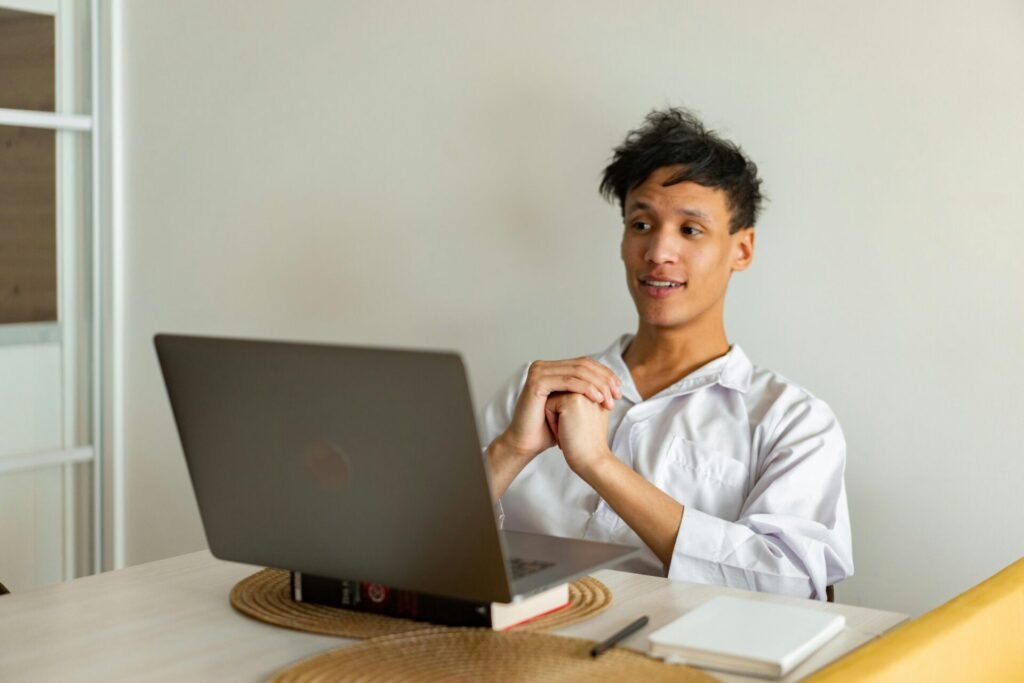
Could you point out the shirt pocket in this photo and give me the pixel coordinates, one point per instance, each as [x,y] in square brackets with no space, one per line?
[698,477]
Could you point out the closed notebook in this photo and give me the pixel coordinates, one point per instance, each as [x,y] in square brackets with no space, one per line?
[746,636]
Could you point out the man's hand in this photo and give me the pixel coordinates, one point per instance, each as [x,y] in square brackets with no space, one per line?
[580,427]
[529,433]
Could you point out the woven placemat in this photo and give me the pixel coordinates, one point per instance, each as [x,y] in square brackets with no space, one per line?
[473,654]
[266,595]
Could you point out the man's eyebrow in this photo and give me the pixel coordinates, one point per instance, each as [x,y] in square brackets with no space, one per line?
[685,211]
[696,213]
[636,204]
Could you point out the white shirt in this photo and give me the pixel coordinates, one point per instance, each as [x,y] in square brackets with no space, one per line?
[756,461]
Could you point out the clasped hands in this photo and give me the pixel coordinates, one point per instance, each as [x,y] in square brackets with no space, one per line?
[565,403]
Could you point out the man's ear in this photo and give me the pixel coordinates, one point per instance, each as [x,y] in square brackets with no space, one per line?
[742,248]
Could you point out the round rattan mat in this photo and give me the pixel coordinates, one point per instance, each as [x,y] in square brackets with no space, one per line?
[471,654]
[266,595]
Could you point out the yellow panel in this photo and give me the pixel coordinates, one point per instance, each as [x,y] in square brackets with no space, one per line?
[977,636]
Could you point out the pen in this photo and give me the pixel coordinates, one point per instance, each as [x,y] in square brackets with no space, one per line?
[614,639]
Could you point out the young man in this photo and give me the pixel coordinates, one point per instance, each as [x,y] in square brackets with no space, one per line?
[671,439]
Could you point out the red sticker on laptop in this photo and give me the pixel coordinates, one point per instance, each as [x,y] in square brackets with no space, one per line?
[376,592]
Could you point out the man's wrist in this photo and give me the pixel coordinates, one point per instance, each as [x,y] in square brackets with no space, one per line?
[504,449]
[592,470]
[506,462]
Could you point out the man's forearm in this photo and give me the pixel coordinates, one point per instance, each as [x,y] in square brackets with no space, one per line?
[504,463]
[649,511]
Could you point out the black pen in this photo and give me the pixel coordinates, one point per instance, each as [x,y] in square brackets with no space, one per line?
[614,639]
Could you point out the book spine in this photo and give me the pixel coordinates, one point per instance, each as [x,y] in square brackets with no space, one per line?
[380,599]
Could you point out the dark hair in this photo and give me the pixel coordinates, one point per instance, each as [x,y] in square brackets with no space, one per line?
[676,136]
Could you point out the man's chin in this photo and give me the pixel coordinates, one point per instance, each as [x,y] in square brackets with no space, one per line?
[664,322]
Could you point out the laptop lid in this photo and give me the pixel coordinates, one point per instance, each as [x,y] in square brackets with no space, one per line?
[338,461]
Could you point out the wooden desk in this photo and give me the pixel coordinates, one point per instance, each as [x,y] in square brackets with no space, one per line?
[171,620]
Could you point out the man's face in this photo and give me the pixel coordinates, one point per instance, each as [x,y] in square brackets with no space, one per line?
[678,252]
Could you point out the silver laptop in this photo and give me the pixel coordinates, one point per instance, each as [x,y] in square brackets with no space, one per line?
[353,463]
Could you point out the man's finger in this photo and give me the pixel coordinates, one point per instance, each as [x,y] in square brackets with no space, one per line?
[552,420]
[612,380]
[600,376]
[547,376]
[568,383]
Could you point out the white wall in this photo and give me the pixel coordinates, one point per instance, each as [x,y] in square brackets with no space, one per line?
[424,174]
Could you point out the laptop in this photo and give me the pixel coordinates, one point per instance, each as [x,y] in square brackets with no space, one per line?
[354,463]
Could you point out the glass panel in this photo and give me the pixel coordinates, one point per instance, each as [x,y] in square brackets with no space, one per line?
[31,502]
[30,399]
[31,528]
[28,225]
[27,73]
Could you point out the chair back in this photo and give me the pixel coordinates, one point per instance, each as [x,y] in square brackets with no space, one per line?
[976,636]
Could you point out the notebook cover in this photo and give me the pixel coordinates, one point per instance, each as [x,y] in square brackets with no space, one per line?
[747,635]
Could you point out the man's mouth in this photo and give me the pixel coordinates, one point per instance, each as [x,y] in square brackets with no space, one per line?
[662,284]
[657,288]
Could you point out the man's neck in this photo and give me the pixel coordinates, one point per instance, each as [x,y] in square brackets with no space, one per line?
[659,357]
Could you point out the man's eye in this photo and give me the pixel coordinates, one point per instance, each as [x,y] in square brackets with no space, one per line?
[640,226]
[691,230]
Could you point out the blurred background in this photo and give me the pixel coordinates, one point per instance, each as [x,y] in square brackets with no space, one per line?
[425,175]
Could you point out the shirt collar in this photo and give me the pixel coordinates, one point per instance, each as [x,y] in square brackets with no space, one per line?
[737,371]
[732,371]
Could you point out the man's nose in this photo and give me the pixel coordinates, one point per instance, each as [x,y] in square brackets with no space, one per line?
[662,246]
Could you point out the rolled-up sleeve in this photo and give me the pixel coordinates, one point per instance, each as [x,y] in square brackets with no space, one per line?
[793,532]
